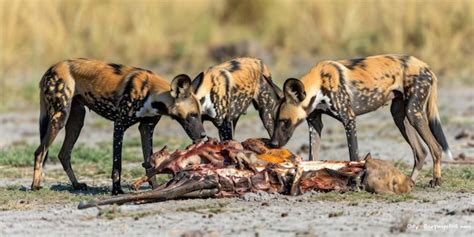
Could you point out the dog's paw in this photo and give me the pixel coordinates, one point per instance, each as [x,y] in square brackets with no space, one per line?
[80,186]
[117,191]
[35,188]
[435,182]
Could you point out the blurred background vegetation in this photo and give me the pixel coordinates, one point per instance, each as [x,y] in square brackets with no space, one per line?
[187,36]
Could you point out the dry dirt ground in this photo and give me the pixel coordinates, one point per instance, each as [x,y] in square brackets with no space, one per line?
[425,212]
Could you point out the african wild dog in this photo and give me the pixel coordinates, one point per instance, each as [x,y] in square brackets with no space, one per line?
[118,93]
[347,88]
[226,90]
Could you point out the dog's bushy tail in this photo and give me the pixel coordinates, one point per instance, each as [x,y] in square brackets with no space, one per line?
[434,119]
[44,119]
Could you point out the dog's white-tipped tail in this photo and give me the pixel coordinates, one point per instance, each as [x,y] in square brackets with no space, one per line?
[447,155]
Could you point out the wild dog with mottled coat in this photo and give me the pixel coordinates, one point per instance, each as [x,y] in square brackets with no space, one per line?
[347,88]
[226,90]
[123,94]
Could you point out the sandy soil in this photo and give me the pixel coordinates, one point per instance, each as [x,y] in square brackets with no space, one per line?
[255,215]
[261,214]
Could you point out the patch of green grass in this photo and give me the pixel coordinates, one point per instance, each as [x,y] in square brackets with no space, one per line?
[15,172]
[173,143]
[84,171]
[402,165]
[16,198]
[100,154]
[162,178]
[20,156]
[23,155]
[158,143]
[133,145]
[138,171]
[101,123]
[454,177]
[134,172]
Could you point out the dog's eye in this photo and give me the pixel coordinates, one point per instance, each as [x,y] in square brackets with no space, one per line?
[286,123]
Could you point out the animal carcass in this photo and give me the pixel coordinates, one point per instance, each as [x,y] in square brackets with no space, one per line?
[211,170]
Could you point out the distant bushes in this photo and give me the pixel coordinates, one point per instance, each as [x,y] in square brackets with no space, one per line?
[172,37]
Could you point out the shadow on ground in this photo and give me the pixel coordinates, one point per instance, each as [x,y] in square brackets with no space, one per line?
[61,187]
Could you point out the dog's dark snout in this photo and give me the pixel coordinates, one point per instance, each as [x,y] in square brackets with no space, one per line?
[202,138]
[274,144]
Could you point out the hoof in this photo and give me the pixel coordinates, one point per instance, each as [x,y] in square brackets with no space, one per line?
[80,186]
[435,182]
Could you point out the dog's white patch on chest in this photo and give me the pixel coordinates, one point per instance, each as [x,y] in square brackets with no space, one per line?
[146,110]
[208,107]
[322,102]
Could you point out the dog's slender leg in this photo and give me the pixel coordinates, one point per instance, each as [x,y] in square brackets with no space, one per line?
[417,117]
[74,125]
[54,126]
[146,128]
[55,105]
[265,103]
[351,134]
[117,158]
[421,126]
[315,127]
[419,150]
[225,130]
[234,123]
[409,133]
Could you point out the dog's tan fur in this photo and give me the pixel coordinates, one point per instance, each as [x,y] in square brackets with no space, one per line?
[226,91]
[347,88]
[123,94]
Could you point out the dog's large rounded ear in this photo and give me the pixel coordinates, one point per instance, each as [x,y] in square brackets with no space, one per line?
[197,81]
[294,90]
[181,86]
[368,156]
[278,92]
